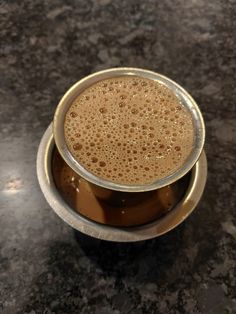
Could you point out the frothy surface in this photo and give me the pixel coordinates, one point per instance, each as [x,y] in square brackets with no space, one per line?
[129,130]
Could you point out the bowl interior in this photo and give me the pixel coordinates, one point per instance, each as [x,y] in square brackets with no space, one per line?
[114,208]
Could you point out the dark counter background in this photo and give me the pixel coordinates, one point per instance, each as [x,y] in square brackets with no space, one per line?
[45,267]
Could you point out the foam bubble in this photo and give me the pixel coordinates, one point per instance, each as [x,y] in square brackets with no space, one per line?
[129,130]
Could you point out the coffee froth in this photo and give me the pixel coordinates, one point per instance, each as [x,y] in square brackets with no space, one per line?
[129,130]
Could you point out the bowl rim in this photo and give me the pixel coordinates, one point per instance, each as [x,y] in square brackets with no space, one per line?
[117,234]
[180,92]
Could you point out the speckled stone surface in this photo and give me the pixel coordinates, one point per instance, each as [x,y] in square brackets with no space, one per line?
[45,266]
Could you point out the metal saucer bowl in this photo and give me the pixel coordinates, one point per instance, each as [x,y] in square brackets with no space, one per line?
[120,234]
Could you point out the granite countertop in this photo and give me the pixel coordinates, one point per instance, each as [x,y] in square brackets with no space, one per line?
[47,267]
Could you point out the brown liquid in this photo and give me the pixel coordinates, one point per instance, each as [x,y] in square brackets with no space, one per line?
[111,207]
[129,130]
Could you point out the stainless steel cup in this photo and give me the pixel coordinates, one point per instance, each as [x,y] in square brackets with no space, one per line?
[186,100]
